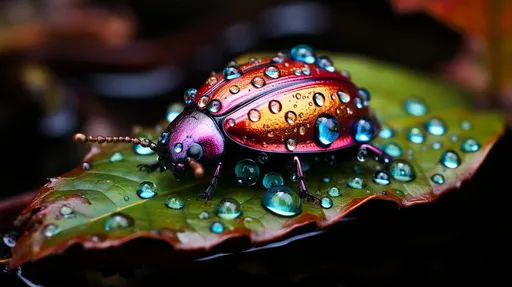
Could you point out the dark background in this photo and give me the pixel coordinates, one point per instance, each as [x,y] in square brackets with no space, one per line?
[450,241]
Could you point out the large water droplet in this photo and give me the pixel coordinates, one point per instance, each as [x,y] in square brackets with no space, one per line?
[66,211]
[386,133]
[214,106]
[291,117]
[174,202]
[319,99]
[274,106]
[146,190]
[231,72]
[356,182]
[470,145]
[450,159]
[291,144]
[217,227]
[118,221]
[381,177]
[415,107]
[272,178]
[117,156]
[189,96]
[258,82]
[416,135]
[254,115]
[465,125]
[234,89]
[334,191]
[365,95]
[327,130]
[344,97]
[436,127]
[228,208]
[401,170]
[282,200]
[303,53]
[359,102]
[437,178]
[363,130]
[247,172]
[326,202]
[51,230]
[392,149]
[325,63]
[178,147]
[272,72]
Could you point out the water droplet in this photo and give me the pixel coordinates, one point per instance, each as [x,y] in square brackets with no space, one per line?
[327,130]
[334,191]
[174,202]
[454,138]
[254,60]
[416,135]
[302,130]
[217,227]
[325,63]
[228,208]
[470,145]
[189,96]
[117,156]
[303,53]
[363,130]
[51,230]
[359,102]
[282,200]
[146,190]
[465,125]
[450,159]
[319,99]
[231,122]
[118,221]
[326,179]
[262,158]
[365,95]
[140,150]
[234,89]
[85,166]
[9,239]
[436,127]
[356,182]
[258,82]
[296,71]
[272,178]
[362,155]
[231,63]
[274,106]
[415,107]
[247,172]
[272,72]
[173,111]
[203,101]
[231,72]
[381,177]
[386,133]
[306,71]
[291,144]
[66,211]
[344,97]
[437,145]
[401,170]
[204,215]
[212,81]
[326,202]
[126,198]
[437,178]
[291,117]
[178,147]
[214,106]
[254,115]
[392,149]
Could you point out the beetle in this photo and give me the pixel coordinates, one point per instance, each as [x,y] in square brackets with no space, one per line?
[294,103]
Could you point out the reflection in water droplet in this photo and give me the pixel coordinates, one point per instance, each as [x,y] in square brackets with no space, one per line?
[51,230]
[344,97]
[231,122]
[381,177]
[327,130]
[174,202]
[386,133]
[117,156]
[359,102]
[334,191]
[217,227]
[254,115]
[231,72]
[450,159]
[274,106]
[437,178]
[325,63]
[228,208]
[401,170]
[272,178]
[415,107]
[326,202]
[356,182]
[470,145]
[291,144]
[258,82]
[85,166]
[416,135]
[66,211]
[319,99]
[392,149]
[365,95]
[363,130]
[204,215]
[465,125]
[303,53]
[437,145]
[118,221]
[234,89]
[272,72]
[282,200]
[362,154]
[247,172]
[146,190]
[189,96]
[436,127]
[291,117]
[178,147]
[203,101]
[214,106]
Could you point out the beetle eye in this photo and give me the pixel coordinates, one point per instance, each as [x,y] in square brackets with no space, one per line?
[195,151]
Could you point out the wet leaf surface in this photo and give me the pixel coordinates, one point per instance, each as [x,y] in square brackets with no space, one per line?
[107,201]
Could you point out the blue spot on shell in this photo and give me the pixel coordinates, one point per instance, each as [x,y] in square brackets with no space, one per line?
[327,130]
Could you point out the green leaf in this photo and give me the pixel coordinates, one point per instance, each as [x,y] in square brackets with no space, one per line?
[100,208]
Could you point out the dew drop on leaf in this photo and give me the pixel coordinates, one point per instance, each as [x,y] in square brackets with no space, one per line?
[126,198]
[326,202]
[415,107]
[66,211]
[437,178]
[140,150]
[334,191]
[247,172]
[118,221]
[470,145]
[51,230]
[146,190]
[272,178]
[228,208]
[436,127]
[204,215]
[465,125]
[174,202]
[401,170]
[392,149]
[381,177]
[115,157]
[281,200]
[416,135]
[356,182]
[326,179]
[386,133]
[437,145]
[450,159]
[217,227]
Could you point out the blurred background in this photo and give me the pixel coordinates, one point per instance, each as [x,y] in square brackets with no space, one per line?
[101,67]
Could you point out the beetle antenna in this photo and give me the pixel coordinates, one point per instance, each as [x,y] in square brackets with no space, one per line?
[81,138]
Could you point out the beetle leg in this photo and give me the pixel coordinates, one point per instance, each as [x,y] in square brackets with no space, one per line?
[303,190]
[151,167]
[380,155]
[207,194]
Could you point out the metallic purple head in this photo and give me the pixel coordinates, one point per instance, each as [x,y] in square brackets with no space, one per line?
[192,135]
